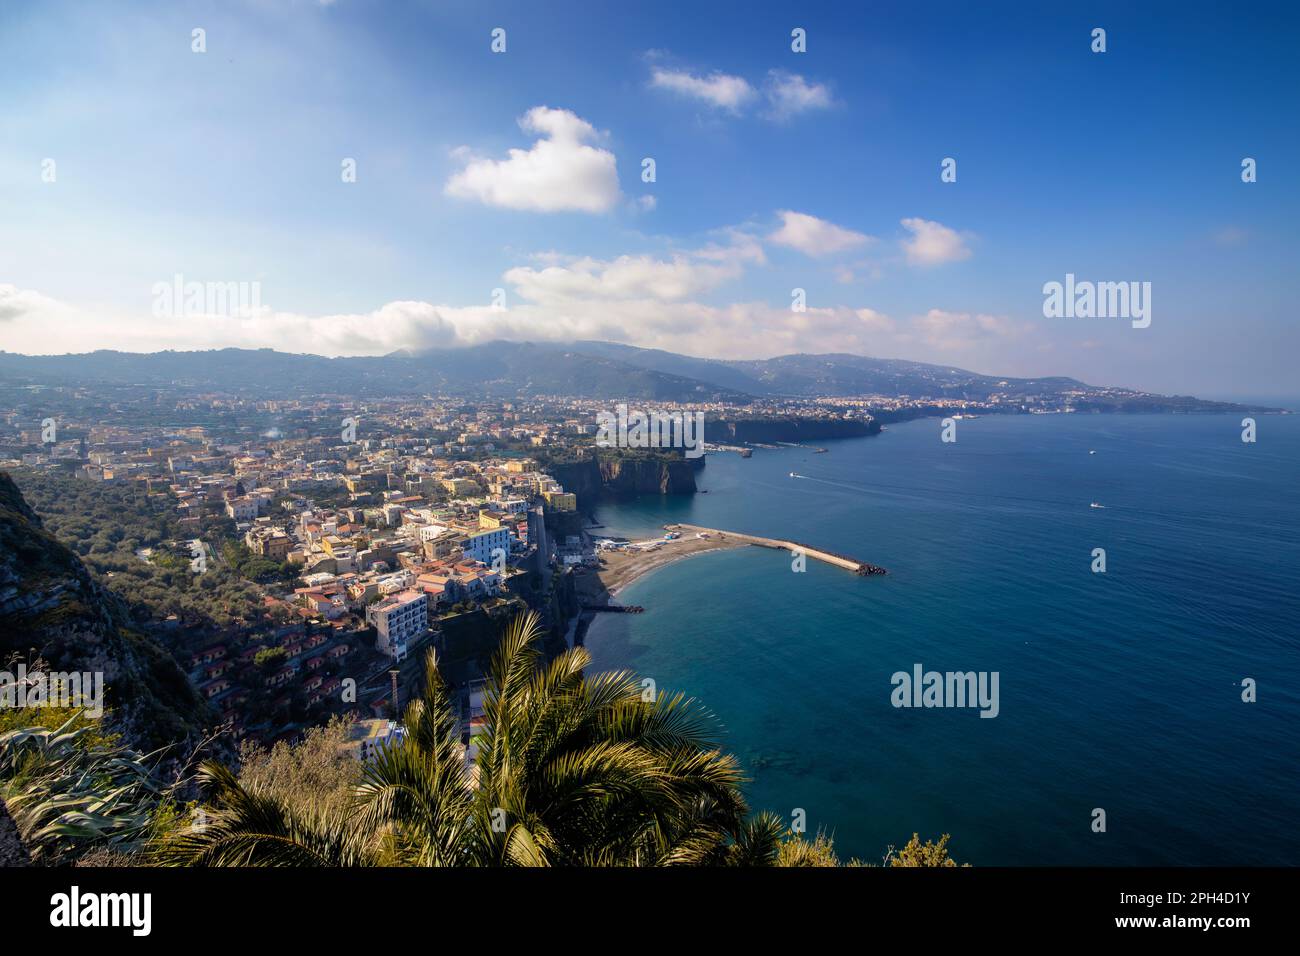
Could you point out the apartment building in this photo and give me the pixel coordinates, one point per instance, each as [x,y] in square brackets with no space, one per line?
[560,500]
[461,487]
[271,543]
[399,620]
[480,545]
[243,508]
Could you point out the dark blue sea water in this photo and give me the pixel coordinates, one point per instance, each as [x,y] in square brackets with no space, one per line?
[1119,690]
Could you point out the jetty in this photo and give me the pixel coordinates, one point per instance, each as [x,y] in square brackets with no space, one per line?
[862,568]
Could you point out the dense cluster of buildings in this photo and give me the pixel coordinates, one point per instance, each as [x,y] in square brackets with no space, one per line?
[367,525]
[373,524]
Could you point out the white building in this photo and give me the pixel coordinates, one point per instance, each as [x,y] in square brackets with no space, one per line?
[399,619]
[481,545]
[398,581]
[367,737]
[243,509]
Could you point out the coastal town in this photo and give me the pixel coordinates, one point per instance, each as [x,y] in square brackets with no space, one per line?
[367,546]
[362,534]
[300,553]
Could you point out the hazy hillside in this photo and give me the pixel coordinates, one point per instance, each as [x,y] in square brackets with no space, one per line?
[496,368]
[600,370]
[832,374]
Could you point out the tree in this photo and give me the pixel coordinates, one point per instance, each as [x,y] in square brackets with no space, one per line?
[588,771]
[917,853]
[571,771]
[270,658]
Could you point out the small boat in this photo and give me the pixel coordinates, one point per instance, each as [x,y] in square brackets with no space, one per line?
[793,475]
[1095,505]
[1091,451]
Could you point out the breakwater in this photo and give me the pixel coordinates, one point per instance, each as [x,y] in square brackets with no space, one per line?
[820,554]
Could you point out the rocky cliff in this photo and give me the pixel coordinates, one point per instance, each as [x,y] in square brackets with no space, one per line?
[727,432]
[625,475]
[52,608]
[648,476]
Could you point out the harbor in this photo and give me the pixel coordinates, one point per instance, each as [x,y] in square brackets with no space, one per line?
[626,561]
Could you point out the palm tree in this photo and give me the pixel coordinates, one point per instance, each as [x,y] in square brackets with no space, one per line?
[571,771]
[595,771]
[241,828]
[419,791]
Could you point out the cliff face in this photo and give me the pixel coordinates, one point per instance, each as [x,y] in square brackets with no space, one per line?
[583,478]
[648,476]
[52,608]
[593,478]
[786,429]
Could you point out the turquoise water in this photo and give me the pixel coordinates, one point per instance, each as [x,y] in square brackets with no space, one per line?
[1118,691]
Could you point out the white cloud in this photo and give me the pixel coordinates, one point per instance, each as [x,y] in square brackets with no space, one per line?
[741,247]
[957,331]
[641,300]
[672,301]
[813,236]
[622,278]
[933,243]
[717,89]
[654,301]
[683,276]
[875,321]
[560,172]
[789,94]
[16,303]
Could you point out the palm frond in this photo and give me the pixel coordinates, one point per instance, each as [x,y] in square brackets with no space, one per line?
[250,829]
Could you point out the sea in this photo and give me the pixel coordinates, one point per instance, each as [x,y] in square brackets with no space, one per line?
[1148,714]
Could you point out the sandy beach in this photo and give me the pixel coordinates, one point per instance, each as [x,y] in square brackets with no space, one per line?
[621,568]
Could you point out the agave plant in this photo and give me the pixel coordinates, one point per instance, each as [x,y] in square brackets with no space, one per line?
[68,795]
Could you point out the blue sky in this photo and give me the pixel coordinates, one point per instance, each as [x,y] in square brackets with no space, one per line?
[775,170]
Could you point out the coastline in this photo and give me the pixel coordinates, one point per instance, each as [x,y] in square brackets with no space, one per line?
[621,568]
[600,588]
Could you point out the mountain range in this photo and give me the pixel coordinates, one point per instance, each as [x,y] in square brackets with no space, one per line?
[582,369]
